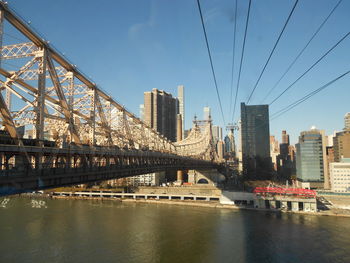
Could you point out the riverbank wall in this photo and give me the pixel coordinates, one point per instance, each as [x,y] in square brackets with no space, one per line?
[244,201]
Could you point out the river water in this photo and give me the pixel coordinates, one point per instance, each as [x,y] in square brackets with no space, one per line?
[111,231]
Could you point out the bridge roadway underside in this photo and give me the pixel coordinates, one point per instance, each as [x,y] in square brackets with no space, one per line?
[77,165]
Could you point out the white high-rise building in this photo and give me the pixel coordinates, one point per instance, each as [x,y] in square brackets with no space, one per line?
[340,176]
[181,98]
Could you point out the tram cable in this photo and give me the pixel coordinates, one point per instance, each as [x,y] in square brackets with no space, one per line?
[241,61]
[210,58]
[273,50]
[302,51]
[311,67]
[233,53]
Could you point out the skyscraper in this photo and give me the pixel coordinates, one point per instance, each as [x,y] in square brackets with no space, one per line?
[181,98]
[160,110]
[311,158]
[285,160]
[341,145]
[347,121]
[207,113]
[255,135]
[217,133]
[284,146]
[285,137]
[230,144]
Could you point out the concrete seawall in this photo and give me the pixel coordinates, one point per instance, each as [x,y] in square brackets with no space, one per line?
[211,204]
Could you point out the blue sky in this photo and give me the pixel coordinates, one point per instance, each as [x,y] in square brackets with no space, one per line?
[132,46]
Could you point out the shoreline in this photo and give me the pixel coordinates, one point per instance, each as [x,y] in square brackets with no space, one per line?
[211,204]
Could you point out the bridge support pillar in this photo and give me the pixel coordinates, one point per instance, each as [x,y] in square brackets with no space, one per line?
[180,176]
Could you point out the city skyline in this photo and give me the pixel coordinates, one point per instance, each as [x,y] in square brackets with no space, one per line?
[82,159]
[123,55]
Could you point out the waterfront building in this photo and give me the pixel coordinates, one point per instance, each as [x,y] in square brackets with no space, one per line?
[255,136]
[160,110]
[347,121]
[181,98]
[311,160]
[206,113]
[340,176]
[341,144]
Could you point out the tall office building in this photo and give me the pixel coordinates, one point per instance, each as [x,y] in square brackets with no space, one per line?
[220,150]
[181,98]
[284,146]
[285,137]
[347,121]
[142,112]
[255,136]
[230,144]
[341,145]
[217,133]
[160,110]
[311,159]
[207,113]
[285,160]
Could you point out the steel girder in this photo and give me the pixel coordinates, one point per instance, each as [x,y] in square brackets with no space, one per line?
[59,103]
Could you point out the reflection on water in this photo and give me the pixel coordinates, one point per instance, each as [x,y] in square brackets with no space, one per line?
[96,231]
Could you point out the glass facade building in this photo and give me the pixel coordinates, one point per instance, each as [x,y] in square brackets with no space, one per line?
[311,156]
[255,135]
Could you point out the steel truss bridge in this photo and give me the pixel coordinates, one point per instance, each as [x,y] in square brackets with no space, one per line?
[79,133]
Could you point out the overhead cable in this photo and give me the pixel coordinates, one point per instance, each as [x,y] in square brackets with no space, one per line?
[306,97]
[273,50]
[233,53]
[302,51]
[242,55]
[211,61]
[311,67]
